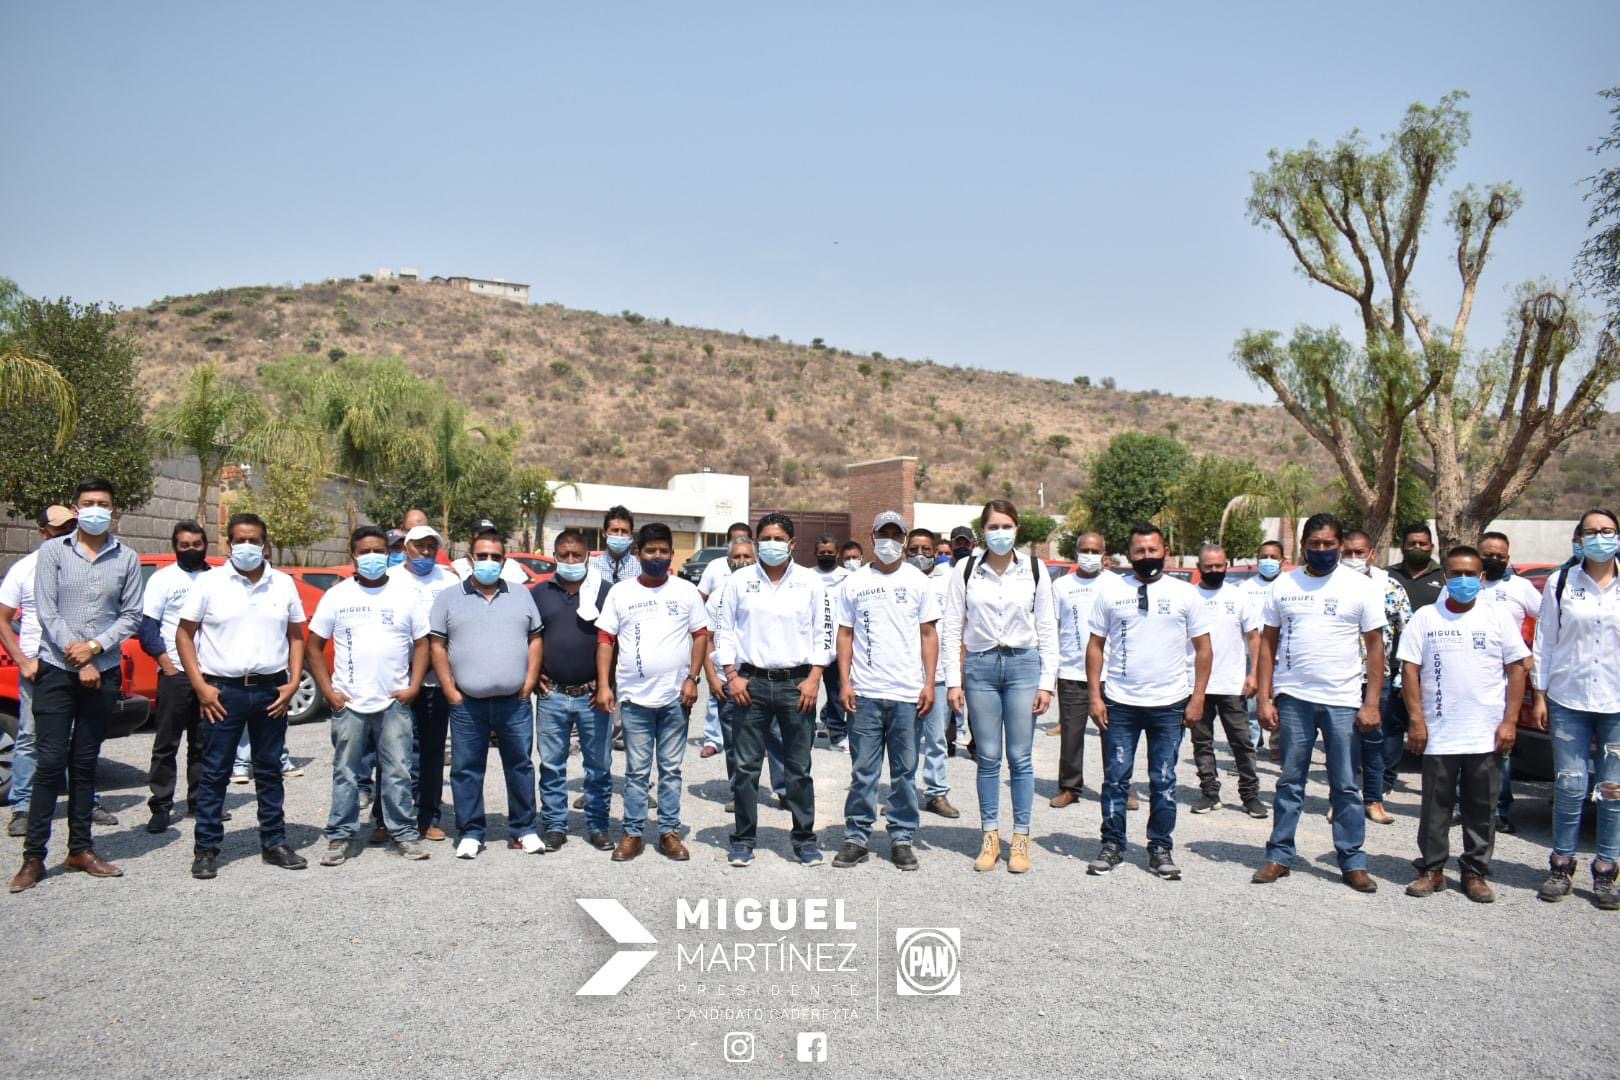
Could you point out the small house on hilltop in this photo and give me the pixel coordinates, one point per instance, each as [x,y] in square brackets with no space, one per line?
[506,290]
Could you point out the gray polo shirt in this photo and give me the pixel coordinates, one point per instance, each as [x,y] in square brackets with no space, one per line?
[80,598]
[488,640]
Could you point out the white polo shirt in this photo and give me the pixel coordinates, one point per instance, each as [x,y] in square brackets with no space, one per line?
[1577,647]
[1012,610]
[166,593]
[1147,650]
[714,575]
[1231,618]
[654,627]
[373,632]
[243,624]
[886,613]
[1460,656]
[17,593]
[775,625]
[1320,621]
[1074,596]
[427,586]
[1522,599]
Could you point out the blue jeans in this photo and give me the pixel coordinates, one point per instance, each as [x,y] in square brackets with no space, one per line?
[651,730]
[23,760]
[560,714]
[389,731]
[244,757]
[1572,732]
[1392,711]
[1372,754]
[876,727]
[1000,686]
[773,748]
[833,717]
[367,771]
[1163,725]
[931,747]
[246,719]
[472,722]
[1299,723]
[712,734]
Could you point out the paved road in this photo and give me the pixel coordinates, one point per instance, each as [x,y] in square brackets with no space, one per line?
[458,969]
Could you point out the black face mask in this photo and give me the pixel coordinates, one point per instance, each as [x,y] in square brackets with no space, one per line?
[1148,569]
[961,552]
[191,560]
[1417,559]
[1495,569]
[1212,579]
[826,562]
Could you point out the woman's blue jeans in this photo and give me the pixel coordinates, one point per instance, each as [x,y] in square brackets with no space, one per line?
[1000,686]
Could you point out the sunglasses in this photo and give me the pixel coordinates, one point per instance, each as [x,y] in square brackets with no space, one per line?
[1141,599]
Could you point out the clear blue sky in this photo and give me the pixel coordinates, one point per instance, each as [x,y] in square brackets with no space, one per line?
[1053,189]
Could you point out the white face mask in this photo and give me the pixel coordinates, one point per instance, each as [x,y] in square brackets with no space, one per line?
[1358,565]
[852,564]
[1089,564]
[888,551]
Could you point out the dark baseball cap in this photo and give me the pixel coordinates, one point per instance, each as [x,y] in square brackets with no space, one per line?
[962,532]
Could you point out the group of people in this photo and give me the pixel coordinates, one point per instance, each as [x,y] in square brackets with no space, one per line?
[613,649]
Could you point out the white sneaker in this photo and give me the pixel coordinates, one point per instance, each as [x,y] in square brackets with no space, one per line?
[239,777]
[531,844]
[468,849]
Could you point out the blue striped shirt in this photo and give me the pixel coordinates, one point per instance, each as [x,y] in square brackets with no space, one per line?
[80,598]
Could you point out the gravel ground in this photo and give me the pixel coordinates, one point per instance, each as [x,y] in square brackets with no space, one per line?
[448,968]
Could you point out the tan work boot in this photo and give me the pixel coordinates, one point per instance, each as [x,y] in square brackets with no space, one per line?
[1018,861]
[990,853]
[1378,815]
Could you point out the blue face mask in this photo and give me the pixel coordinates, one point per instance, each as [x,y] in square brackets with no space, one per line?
[1000,541]
[1598,549]
[655,568]
[1270,568]
[1464,590]
[487,572]
[247,557]
[371,565]
[420,565]
[572,571]
[942,560]
[773,552]
[618,544]
[395,558]
[94,520]
[1323,561]
[1575,549]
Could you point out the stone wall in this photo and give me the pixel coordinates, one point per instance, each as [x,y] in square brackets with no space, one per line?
[174,498]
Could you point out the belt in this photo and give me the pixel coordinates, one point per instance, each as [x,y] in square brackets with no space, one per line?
[276,678]
[582,690]
[774,674]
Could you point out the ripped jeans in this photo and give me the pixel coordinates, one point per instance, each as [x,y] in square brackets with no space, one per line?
[1572,732]
[1163,725]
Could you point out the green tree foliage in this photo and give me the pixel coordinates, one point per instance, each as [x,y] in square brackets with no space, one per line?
[1034,527]
[1130,482]
[1599,261]
[288,497]
[84,345]
[1198,500]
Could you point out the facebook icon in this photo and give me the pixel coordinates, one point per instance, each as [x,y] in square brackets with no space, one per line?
[812,1046]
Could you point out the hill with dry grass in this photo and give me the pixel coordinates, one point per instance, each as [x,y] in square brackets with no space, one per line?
[625,399]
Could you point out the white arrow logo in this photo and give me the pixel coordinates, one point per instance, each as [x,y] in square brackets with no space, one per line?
[623,965]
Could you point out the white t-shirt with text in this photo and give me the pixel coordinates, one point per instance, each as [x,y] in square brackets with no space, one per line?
[1320,621]
[1460,656]
[654,627]
[1074,597]
[372,631]
[1147,650]
[886,613]
[165,595]
[1231,618]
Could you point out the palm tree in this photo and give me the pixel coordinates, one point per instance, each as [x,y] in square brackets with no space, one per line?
[26,380]
[370,421]
[537,494]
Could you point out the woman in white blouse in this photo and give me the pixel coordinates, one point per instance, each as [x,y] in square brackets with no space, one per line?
[1000,650]
[1577,684]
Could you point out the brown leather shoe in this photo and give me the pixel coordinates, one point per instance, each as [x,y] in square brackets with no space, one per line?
[31,874]
[940,805]
[1359,880]
[629,847]
[379,835]
[433,833]
[88,862]
[1268,873]
[669,845]
[1063,798]
[1130,800]
[1378,815]
[1427,883]
[1477,889]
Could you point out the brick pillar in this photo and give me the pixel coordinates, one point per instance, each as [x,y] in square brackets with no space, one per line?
[876,486]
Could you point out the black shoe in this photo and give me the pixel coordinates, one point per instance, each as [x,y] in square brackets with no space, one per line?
[731,807]
[1254,808]
[202,865]
[1159,862]
[902,856]
[1109,857]
[1456,819]
[1504,824]
[102,816]
[1558,883]
[851,854]
[1206,803]
[600,841]
[579,802]
[554,840]
[283,856]
[159,822]
[18,825]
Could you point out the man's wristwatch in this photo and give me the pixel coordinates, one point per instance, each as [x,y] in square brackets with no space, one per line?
[694,679]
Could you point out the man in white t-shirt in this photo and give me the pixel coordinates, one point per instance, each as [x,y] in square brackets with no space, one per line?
[1234,641]
[1523,602]
[22,644]
[931,750]
[712,582]
[380,657]
[1268,567]
[888,652]
[653,634]
[1464,669]
[1312,678]
[430,710]
[1073,597]
[1145,625]
[177,713]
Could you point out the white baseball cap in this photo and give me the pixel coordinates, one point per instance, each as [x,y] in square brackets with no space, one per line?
[422,532]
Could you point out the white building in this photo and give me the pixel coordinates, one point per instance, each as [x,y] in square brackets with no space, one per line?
[514,291]
[941,518]
[697,507]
